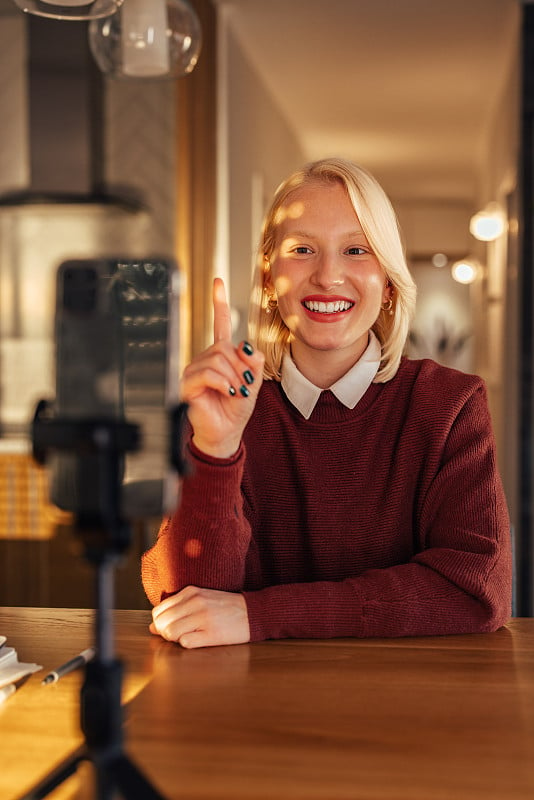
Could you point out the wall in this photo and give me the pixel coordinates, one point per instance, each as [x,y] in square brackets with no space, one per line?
[495,295]
[257,150]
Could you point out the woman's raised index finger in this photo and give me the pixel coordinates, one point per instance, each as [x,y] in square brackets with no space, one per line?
[222,320]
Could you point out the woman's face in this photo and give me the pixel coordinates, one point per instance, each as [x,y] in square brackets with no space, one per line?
[329,284]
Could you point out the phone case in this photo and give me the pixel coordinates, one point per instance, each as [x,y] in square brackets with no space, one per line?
[116,332]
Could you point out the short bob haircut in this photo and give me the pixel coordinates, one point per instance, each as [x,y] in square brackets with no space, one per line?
[268,331]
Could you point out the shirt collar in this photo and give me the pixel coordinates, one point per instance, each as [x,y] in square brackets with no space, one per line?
[349,389]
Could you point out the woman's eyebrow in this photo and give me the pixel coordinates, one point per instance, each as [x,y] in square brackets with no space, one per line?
[307,234]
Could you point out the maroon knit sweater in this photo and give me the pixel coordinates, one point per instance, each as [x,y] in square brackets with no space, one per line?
[385,520]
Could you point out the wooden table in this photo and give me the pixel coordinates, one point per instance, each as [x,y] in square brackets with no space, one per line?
[444,718]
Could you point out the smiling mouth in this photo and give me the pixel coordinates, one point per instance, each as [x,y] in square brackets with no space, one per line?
[334,307]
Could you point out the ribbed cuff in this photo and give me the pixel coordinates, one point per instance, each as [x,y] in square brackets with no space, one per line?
[199,455]
[320,610]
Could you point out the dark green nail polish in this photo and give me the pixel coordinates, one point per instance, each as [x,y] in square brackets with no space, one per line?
[244,391]
[231,391]
[248,376]
[247,348]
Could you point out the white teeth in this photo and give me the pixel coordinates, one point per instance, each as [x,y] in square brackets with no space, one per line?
[327,308]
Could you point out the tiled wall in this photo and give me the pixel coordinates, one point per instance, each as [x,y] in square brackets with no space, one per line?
[139,153]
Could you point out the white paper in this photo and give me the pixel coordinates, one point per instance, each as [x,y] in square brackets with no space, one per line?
[11,669]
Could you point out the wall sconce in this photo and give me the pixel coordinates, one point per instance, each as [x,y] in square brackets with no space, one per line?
[488,224]
[147,39]
[69,9]
[465,270]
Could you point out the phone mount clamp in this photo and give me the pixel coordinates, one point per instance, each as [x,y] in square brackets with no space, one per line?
[106,536]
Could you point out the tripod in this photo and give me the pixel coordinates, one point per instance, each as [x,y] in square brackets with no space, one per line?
[101,717]
[105,536]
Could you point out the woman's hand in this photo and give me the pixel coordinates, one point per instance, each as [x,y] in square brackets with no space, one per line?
[221,385]
[202,618]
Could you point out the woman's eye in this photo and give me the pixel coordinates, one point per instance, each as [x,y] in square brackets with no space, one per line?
[356,251]
[302,249]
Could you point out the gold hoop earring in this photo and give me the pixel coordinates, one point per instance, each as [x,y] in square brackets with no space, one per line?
[388,306]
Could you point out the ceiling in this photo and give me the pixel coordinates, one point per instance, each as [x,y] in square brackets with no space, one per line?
[404,87]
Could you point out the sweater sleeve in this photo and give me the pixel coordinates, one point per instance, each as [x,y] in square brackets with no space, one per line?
[205,542]
[458,581]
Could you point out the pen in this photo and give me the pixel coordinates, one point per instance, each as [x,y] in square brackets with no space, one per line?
[69,666]
[7,691]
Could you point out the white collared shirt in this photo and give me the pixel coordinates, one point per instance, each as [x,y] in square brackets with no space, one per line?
[349,389]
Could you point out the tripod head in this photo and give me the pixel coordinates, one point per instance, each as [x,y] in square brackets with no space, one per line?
[104,532]
[103,529]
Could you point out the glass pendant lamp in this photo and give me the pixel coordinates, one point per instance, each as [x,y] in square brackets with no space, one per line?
[147,39]
[70,9]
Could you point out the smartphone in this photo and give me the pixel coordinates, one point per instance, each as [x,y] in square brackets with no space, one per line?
[116,357]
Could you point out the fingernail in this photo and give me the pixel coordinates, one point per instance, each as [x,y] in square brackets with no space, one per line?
[247,348]
[248,376]
[244,391]
[231,390]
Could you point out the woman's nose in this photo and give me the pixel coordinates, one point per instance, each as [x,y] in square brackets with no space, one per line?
[328,271]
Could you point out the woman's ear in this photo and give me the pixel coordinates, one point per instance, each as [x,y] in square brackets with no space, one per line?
[389,291]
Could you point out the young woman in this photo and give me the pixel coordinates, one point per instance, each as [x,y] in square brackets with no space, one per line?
[337,488]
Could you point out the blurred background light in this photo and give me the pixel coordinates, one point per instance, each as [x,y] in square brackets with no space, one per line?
[488,224]
[465,271]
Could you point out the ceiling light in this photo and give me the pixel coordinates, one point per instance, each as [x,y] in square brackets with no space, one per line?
[70,9]
[147,39]
[465,271]
[488,224]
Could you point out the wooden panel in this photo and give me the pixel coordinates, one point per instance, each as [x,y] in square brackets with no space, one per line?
[196,186]
[55,573]
[525,530]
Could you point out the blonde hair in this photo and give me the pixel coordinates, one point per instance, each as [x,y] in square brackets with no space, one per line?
[268,331]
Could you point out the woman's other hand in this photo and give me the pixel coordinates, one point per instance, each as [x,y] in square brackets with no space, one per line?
[197,617]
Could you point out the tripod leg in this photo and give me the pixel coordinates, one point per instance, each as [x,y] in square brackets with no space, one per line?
[56,777]
[105,783]
[116,775]
[130,781]
[101,711]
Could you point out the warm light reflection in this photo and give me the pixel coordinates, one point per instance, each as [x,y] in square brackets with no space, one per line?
[282,285]
[193,548]
[280,215]
[292,322]
[295,210]
[134,683]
